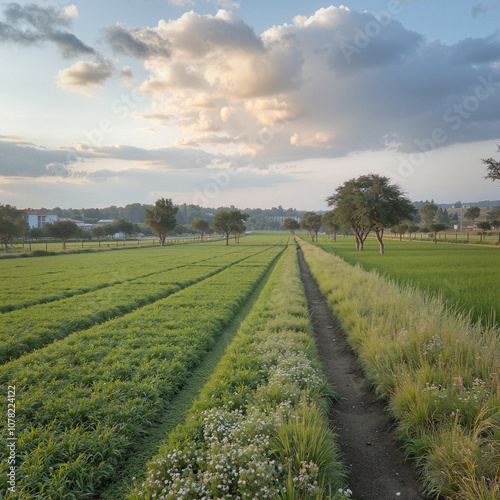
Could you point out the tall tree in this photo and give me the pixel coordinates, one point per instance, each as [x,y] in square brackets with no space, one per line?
[63,229]
[200,225]
[311,222]
[329,221]
[13,224]
[428,212]
[291,225]
[472,213]
[370,203]
[161,218]
[227,221]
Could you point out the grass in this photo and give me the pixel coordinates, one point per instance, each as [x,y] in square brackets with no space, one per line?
[467,277]
[436,371]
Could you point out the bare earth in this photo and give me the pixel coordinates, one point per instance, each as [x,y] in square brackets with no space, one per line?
[377,470]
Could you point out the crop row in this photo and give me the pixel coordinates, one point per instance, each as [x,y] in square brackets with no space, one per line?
[436,371]
[24,330]
[259,427]
[33,281]
[82,400]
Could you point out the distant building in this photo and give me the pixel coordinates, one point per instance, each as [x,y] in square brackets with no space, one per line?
[38,218]
[79,223]
[281,218]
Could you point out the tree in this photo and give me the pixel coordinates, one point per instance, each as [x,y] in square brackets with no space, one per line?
[161,218]
[400,229]
[493,168]
[412,228]
[428,212]
[36,232]
[97,232]
[179,229]
[445,217]
[63,229]
[436,228]
[226,222]
[291,224]
[126,227]
[311,222]
[493,213]
[200,225]
[370,203]
[495,223]
[329,221]
[484,226]
[12,224]
[472,213]
[237,229]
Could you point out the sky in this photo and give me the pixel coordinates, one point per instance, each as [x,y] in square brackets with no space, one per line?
[249,103]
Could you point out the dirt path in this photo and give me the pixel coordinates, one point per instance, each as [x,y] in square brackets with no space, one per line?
[377,470]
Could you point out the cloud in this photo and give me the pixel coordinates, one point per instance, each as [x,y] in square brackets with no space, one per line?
[20,158]
[32,25]
[85,75]
[168,158]
[141,43]
[317,140]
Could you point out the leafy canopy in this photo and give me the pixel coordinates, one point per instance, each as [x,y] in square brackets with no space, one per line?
[162,218]
[370,203]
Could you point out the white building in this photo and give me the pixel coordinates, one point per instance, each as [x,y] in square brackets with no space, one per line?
[38,218]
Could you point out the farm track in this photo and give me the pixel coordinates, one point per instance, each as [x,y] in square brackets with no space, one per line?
[376,466]
[175,410]
[62,326]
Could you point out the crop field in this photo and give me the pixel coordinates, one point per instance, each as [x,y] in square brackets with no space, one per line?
[465,276]
[95,360]
[94,348]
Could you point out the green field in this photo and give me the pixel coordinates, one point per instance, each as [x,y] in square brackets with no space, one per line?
[94,347]
[467,276]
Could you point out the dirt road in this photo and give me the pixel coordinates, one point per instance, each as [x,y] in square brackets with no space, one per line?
[377,470]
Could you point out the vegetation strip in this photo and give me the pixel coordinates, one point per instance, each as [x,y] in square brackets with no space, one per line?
[466,277]
[176,409]
[81,401]
[436,371]
[65,277]
[259,428]
[24,330]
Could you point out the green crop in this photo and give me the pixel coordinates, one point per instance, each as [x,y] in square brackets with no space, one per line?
[80,401]
[259,427]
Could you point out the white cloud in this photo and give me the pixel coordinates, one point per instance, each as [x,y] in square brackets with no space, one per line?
[70,11]
[320,139]
[327,84]
[83,76]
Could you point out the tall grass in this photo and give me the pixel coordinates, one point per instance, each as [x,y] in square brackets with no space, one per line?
[437,371]
[466,277]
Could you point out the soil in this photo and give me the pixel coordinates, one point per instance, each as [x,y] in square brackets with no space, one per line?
[376,466]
